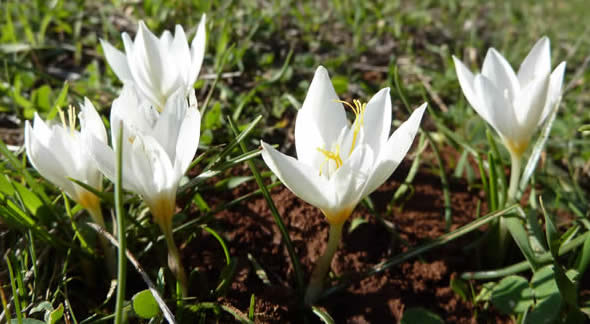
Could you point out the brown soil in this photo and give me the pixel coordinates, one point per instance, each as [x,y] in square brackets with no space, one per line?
[423,282]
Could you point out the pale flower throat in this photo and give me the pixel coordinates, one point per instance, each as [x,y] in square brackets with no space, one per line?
[333,155]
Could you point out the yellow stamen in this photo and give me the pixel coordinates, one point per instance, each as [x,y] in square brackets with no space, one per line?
[62,117]
[71,121]
[359,121]
[72,117]
[334,156]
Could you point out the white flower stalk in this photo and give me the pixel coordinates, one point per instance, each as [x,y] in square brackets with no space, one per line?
[514,104]
[59,153]
[158,67]
[338,163]
[157,150]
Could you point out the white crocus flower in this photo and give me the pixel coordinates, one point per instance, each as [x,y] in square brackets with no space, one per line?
[339,163]
[158,148]
[158,67]
[58,152]
[514,104]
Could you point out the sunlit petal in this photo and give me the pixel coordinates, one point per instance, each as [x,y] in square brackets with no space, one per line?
[301,179]
[394,150]
[320,119]
[537,63]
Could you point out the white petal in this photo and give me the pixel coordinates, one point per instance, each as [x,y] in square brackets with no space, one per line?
[63,144]
[467,82]
[188,140]
[41,130]
[500,112]
[350,179]
[127,108]
[117,60]
[554,90]
[151,165]
[104,157]
[537,63]
[44,160]
[394,150]
[320,120]
[166,39]
[377,120]
[302,180]
[499,71]
[129,47]
[181,55]
[169,122]
[529,106]
[147,66]
[197,52]
[91,122]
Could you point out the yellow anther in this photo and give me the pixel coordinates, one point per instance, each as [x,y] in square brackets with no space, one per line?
[72,117]
[62,117]
[334,156]
[71,121]
[359,112]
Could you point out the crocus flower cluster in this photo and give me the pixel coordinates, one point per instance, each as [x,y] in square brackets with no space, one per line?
[339,162]
[157,111]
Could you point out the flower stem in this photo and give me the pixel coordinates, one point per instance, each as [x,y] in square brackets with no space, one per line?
[514,177]
[174,261]
[512,190]
[122,258]
[316,281]
[109,253]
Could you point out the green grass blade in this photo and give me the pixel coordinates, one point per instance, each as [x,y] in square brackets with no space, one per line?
[525,265]
[237,140]
[276,216]
[442,173]
[15,295]
[221,242]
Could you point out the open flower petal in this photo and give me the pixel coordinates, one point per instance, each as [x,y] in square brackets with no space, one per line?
[117,60]
[394,150]
[529,105]
[197,51]
[350,179]
[500,73]
[500,113]
[301,179]
[91,122]
[554,90]
[188,140]
[466,80]
[377,119]
[320,119]
[537,63]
